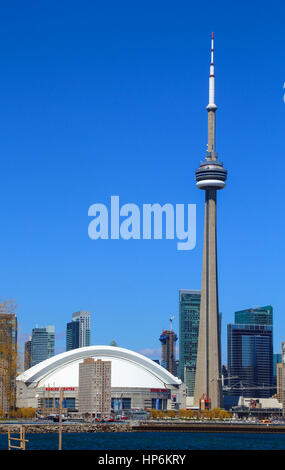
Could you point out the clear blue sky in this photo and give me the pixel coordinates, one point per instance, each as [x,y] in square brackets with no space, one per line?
[108,98]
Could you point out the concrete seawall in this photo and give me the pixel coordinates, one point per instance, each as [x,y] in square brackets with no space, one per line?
[145,427]
[210,427]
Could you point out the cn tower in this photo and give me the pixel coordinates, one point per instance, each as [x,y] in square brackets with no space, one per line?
[210,177]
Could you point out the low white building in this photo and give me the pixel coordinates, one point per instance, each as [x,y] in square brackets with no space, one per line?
[136,381]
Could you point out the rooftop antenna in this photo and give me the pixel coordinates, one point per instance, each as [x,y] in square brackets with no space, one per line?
[171,320]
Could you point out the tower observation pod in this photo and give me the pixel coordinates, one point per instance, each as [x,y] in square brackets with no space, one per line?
[210,176]
[211,173]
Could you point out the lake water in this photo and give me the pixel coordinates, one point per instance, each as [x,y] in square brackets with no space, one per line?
[153,441]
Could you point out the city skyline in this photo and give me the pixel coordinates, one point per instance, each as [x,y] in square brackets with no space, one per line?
[145,90]
[243,317]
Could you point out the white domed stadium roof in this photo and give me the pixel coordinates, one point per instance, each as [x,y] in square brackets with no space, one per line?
[128,370]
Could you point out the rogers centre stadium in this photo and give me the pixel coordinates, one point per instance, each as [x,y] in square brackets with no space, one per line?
[137,382]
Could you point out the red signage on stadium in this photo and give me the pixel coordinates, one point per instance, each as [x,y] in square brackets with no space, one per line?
[57,389]
[163,390]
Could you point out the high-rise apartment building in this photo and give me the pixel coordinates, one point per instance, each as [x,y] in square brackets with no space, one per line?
[94,394]
[283,377]
[189,314]
[42,344]
[78,331]
[277,360]
[28,354]
[250,354]
[168,340]
[8,361]
[279,382]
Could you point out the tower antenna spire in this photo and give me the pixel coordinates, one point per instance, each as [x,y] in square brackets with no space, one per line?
[211,108]
[212,77]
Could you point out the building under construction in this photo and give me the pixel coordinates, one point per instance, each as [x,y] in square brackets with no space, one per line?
[8,362]
[28,354]
[168,339]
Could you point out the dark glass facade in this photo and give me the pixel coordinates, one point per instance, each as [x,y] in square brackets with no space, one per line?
[52,403]
[78,333]
[159,404]
[250,359]
[42,344]
[189,316]
[72,335]
[121,404]
[255,316]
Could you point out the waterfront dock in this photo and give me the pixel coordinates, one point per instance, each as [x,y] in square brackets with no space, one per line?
[209,427]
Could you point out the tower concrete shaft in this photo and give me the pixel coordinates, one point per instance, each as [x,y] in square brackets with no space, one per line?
[210,177]
[208,356]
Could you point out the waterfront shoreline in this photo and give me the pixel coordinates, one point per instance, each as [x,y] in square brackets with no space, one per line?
[66,428]
[40,428]
[211,427]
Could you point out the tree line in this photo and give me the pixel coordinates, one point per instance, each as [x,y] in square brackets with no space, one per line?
[215,413]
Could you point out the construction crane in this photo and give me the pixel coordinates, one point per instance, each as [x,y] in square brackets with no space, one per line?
[243,388]
[223,378]
[258,387]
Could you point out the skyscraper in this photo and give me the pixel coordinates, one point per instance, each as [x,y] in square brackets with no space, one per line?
[279,382]
[283,377]
[8,361]
[250,351]
[255,316]
[78,331]
[42,344]
[28,354]
[72,335]
[210,177]
[168,339]
[277,360]
[94,395]
[250,355]
[189,315]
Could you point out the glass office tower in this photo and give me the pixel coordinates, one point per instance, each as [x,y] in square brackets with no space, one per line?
[78,331]
[42,344]
[255,316]
[189,315]
[250,359]
[72,335]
